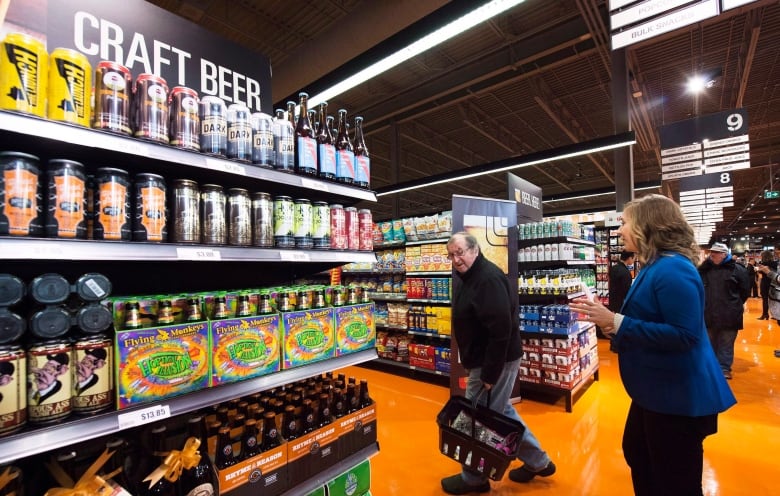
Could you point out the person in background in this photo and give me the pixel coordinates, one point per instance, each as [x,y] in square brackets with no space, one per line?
[665,359]
[768,261]
[620,280]
[726,289]
[774,280]
[485,323]
[753,276]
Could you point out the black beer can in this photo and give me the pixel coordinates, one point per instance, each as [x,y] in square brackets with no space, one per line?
[113,84]
[21,195]
[50,379]
[185,212]
[150,108]
[185,118]
[149,222]
[212,215]
[213,126]
[67,200]
[93,385]
[239,217]
[111,211]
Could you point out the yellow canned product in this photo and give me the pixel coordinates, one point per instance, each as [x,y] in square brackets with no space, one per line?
[23,74]
[70,86]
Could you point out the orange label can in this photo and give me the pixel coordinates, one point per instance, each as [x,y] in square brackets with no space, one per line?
[67,197]
[149,223]
[70,86]
[23,74]
[21,208]
[112,204]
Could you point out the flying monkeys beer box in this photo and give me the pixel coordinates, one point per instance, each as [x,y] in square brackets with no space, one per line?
[243,348]
[161,362]
[308,337]
[355,328]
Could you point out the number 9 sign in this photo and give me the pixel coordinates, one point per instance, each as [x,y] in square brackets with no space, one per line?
[734,122]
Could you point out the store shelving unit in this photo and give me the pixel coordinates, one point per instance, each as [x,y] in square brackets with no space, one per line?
[144,268]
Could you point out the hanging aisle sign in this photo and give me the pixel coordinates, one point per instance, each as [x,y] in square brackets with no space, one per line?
[702,200]
[146,38]
[528,197]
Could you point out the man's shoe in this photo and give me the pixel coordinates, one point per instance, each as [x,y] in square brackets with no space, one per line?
[523,474]
[727,374]
[763,318]
[456,485]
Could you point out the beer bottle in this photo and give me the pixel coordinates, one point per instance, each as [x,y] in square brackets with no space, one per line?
[326,152]
[243,407]
[133,315]
[308,420]
[270,433]
[290,428]
[339,403]
[313,121]
[305,144]
[250,446]
[291,113]
[237,420]
[345,157]
[119,460]
[353,400]
[193,310]
[264,304]
[362,161]
[284,148]
[212,429]
[163,487]
[165,313]
[200,480]
[243,308]
[223,456]
[319,298]
[221,310]
[323,410]
[223,415]
[365,399]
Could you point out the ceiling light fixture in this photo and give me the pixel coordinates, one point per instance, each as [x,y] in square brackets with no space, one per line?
[444,33]
[537,158]
[604,193]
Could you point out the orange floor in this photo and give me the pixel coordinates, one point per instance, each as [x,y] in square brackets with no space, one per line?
[743,459]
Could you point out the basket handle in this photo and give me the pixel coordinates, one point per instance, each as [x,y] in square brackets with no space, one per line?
[474,402]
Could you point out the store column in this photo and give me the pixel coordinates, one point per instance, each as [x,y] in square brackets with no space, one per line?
[621,116]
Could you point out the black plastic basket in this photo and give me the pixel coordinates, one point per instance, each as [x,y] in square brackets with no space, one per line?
[475,455]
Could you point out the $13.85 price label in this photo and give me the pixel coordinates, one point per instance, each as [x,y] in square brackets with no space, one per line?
[143,417]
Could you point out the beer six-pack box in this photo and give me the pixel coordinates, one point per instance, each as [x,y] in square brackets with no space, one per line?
[161,362]
[357,430]
[263,475]
[245,347]
[313,452]
[308,336]
[355,328]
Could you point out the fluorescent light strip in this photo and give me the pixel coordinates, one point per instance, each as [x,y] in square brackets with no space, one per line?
[510,167]
[454,28]
[593,195]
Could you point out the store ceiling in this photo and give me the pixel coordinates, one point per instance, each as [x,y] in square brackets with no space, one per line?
[532,79]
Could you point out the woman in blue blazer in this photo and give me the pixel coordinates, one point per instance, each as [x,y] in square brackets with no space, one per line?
[666,362]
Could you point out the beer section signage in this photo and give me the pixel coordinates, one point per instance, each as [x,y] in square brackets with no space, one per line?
[633,21]
[702,200]
[146,38]
[528,197]
[705,145]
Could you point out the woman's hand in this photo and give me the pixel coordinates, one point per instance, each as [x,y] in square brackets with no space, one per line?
[594,311]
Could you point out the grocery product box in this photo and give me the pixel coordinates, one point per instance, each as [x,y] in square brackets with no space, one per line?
[354,482]
[262,475]
[308,336]
[422,356]
[312,453]
[356,430]
[355,328]
[161,362]
[243,348]
[442,359]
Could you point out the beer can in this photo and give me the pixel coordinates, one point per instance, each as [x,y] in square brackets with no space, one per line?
[284,222]
[239,217]
[70,87]
[303,222]
[93,385]
[213,225]
[21,211]
[366,230]
[320,225]
[338,227]
[13,389]
[262,220]
[150,108]
[239,133]
[67,200]
[185,212]
[150,221]
[213,126]
[12,325]
[24,66]
[263,140]
[185,118]
[111,211]
[50,380]
[112,97]
[352,227]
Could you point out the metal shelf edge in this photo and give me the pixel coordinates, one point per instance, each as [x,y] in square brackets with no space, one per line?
[79,429]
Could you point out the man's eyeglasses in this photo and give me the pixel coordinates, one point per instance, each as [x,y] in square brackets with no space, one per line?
[459,253]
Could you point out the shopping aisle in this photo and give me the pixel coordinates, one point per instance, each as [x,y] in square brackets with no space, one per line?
[741,460]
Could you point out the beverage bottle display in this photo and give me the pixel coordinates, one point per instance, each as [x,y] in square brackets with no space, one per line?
[284,147]
[250,445]
[326,152]
[162,487]
[223,456]
[345,156]
[201,480]
[362,161]
[305,143]
[270,433]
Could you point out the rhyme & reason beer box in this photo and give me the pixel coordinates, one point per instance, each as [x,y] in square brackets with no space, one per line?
[308,337]
[160,362]
[261,475]
[356,430]
[312,453]
[355,328]
[245,347]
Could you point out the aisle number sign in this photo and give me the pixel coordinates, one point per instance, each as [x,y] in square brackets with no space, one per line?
[702,200]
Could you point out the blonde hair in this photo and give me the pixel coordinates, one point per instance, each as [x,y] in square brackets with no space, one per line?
[658,224]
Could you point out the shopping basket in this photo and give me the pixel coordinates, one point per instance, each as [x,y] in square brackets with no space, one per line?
[490,442]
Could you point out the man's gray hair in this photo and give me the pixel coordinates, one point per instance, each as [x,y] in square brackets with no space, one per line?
[471,241]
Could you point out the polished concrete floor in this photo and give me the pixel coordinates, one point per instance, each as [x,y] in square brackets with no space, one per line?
[742,459]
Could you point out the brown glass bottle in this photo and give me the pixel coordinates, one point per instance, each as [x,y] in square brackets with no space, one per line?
[221,310]
[193,310]
[308,419]
[326,152]
[339,403]
[165,313]
[324,410]
[362,160]
[163,487]
[365,398]
[243,309]
[201,480]
[250,444]
[270,432]
[133,315]
[345,157]
[118,460]
[305,143]
[353,400]
[290,427]
[223,455]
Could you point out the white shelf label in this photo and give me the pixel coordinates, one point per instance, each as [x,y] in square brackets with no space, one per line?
[143,417]
[134,147]
[226,166]
[294,256]
[35,250]
[198,254]
[311,184]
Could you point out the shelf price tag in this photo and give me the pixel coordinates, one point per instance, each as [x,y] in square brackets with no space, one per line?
[294,256]
[35,250]
[203,254]
[143,417]
[133,147]
[311,184]
[226,166]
